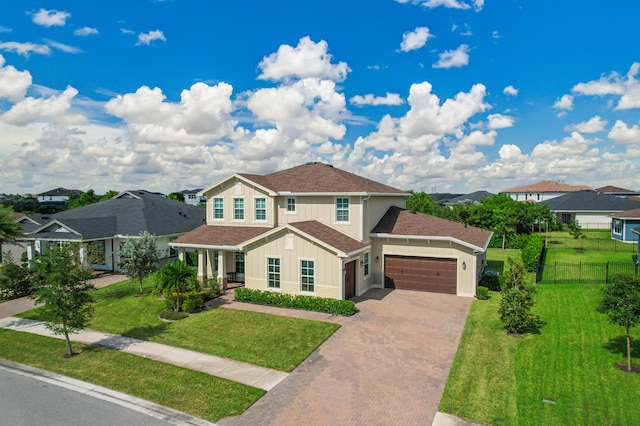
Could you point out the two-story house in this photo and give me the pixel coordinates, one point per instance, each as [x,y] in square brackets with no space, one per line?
[318,230]
[542,191]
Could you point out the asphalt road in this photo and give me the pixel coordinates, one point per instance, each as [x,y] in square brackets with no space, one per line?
[27,401]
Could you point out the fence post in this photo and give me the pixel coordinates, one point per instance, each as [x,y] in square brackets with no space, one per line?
[555,271]
[606,273]
[580,272]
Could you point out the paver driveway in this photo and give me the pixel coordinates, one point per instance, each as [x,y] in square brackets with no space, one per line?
[386,365]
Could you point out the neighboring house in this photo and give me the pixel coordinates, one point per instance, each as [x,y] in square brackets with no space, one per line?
[618,192]
[18,246]
[542,191]
[107,224]
[591,209]
[57,197]
[468,199]
[625,225]
[318,230]
[192,198]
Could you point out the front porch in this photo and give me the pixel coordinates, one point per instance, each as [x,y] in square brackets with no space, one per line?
[227,266]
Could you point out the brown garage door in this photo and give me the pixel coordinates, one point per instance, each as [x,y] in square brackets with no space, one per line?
[421,273]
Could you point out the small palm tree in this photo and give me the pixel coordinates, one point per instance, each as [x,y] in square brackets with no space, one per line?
[174,278]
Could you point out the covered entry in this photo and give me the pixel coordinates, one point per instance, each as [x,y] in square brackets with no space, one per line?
[350,279]
[436,275]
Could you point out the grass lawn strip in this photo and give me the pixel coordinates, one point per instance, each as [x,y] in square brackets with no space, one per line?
[575,256]
[571,362]
[271,341]
[201,395]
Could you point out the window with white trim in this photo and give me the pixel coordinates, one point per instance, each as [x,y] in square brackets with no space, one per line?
[342,210]
[617,226]
[261,208]
[238,208]
[307,276]
[273,273]
[291,205]
[366,264]
[239,262]
[218,208]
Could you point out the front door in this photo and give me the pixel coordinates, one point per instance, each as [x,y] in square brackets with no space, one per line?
[350,279]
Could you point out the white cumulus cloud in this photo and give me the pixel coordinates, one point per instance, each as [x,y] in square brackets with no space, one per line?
[621,133]
[593,125]
[56,107]
[307,60]
[85,31]
[370,99]
[25,49]
[63,47]
[50,18]
[13,83]
[499,121]
[615,84]
[510,91]
[563,104]
[413,40]
[147,38]
[453,58]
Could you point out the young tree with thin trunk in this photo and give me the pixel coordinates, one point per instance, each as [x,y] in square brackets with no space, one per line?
[139,257]
[621,303]
[62,285]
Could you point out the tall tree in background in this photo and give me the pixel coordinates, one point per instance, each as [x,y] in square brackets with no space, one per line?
[61,284]
[621,303]
[139,257]
[9,228]
[178,196]
[422,203]
[81,200]
[109,195]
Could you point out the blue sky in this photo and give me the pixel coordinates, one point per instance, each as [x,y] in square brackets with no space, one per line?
[444,95]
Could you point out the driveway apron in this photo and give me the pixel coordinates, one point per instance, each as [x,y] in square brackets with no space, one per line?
[388,364]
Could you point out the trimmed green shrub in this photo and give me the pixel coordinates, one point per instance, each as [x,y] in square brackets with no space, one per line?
[14,282]
[492,282]
[309,303]
[517,300]
[482,293]
[531,252]
[191,300]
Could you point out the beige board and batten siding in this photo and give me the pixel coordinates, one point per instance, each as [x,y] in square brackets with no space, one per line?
[323,209]
[291,248]
[436,249]
[237,188]
[375,208]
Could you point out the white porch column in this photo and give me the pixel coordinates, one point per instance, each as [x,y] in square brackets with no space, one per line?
[222,270]
[181,252]
[31,254]
[82,251]
[202,265]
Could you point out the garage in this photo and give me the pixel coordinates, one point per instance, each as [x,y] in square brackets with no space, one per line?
[436,275]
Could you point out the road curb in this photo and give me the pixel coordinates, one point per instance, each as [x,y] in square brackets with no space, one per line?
[139,405]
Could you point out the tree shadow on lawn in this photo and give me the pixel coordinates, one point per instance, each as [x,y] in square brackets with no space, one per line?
[618,346]
[146,332]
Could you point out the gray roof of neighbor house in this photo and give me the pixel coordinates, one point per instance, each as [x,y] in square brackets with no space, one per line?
[609,189]
[60,192]
[402,222]
[473,197]
[584,201]
[129,213]
[318,177]
[547,186]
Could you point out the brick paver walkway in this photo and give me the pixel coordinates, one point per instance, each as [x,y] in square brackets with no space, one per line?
[386,365]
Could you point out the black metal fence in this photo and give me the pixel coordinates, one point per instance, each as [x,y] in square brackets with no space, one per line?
[583,272]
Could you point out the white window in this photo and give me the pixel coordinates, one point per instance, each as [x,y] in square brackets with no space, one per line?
[291,205]
[342,210]
[238,208]
[366,264]
[218,208]
[273,273]
[617,226]
[239,262]
[307,276]
[261,209]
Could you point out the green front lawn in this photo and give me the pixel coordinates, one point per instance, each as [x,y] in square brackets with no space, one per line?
[499,379]
[266,340]
[195,393]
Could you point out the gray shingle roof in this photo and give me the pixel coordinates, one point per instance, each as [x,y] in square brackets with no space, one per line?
[131,213]
[584,201]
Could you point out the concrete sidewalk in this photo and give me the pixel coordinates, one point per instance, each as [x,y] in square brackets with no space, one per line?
[248,374]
